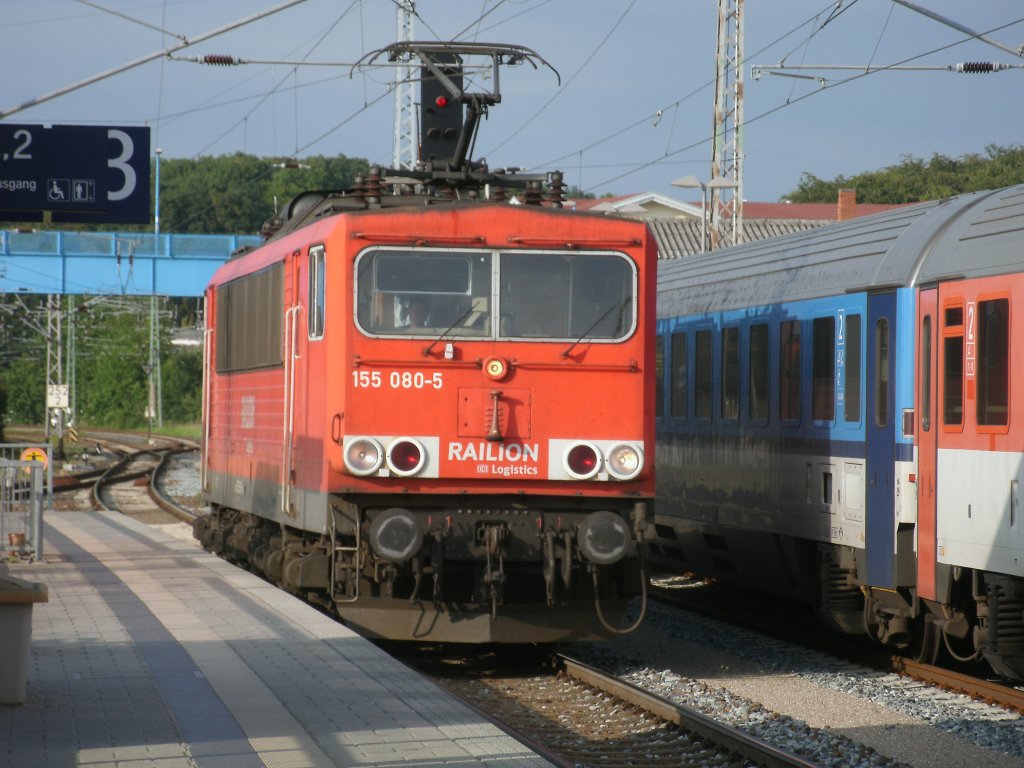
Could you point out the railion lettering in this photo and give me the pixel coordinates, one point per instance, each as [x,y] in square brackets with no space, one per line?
[493,452]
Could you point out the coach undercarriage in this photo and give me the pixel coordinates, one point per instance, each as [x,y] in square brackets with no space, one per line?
[980,616]
[449,573]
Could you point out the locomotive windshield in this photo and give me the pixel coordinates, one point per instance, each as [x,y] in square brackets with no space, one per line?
[539,295]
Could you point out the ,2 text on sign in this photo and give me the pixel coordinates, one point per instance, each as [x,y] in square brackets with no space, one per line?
[75,173]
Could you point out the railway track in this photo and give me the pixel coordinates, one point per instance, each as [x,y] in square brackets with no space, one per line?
[584,717]
[130,481]
[854,648]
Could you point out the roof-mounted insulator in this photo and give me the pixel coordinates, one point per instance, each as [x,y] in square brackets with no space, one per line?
[979,67]
[220,60]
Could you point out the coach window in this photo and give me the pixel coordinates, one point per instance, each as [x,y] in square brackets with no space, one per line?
[823,369]
[953,367]
[758,365]
[703,375]
[730,373]
[316,292]
[851,375]
[926,374]
[659,377]
[789,370]
[881,372]
[993,362]
[679,374]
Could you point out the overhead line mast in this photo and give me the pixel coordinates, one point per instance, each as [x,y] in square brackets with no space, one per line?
[726,201]
[405,145]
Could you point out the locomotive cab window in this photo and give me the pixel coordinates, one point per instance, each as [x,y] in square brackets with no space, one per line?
[316,292]
[526,295]
[565,296]
[424,293]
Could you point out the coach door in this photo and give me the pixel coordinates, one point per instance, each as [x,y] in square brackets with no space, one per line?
[881,441]
[926,437]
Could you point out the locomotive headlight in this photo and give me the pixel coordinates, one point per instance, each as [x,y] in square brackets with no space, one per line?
[625,461]
[406,456]
[496,368]
[582,460]
[363,456]
[395,535]
[603,538]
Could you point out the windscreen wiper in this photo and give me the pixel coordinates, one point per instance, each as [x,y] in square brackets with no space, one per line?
[592,327]
[435,342]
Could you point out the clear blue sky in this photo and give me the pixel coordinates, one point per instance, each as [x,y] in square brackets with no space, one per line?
[621,61]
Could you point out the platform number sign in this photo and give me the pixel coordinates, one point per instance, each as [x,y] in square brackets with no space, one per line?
[74,173]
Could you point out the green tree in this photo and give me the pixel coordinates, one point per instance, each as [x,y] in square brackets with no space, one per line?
[913,180]
[25,384]
[235,194]
[182,371]
[112,383]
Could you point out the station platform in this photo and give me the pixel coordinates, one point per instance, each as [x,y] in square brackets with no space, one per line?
[152,652]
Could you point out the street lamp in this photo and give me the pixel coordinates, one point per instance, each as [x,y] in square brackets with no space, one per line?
[148,370]
[154,314]
[716,182]
[156,193]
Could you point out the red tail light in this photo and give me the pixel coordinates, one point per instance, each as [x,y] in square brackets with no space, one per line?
[406,456]
[582,460]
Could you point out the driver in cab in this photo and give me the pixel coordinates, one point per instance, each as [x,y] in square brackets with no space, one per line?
[417,313]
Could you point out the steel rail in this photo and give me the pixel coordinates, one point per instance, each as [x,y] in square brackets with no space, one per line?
[162,500]
[969,685]
[733,739]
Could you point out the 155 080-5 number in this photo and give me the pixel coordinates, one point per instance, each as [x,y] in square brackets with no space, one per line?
[398,380]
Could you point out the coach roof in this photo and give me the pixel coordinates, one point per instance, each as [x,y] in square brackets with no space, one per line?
[970,235]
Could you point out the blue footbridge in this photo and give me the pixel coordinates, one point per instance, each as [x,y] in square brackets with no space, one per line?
[113,263]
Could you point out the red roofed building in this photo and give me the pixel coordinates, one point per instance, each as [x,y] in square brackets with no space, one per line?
[676,225]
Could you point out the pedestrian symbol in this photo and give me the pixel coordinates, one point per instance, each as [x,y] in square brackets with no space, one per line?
[83,191]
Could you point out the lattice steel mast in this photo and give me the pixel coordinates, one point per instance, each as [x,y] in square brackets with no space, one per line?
[405,145]
[726,202]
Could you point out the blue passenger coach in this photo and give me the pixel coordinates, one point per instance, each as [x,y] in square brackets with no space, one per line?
[812,387]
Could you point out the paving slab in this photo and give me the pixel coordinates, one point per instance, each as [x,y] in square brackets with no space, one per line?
[152,652]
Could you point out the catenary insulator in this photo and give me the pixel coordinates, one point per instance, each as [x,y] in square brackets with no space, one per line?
[219,59]
[977,67]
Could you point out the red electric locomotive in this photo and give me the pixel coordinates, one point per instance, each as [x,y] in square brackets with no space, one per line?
[432,411]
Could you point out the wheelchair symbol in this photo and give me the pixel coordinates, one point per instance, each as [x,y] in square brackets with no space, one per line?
[58,190]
